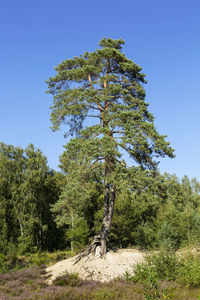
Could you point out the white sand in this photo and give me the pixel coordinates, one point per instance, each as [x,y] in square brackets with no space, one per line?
[115,264]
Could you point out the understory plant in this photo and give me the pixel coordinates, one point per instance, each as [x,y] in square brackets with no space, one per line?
[167,266]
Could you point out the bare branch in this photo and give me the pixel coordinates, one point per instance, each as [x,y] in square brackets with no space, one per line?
[99,106]
[91,84]
[93,116]
[121,132]
[121,163]
[90,81]
[92,164]
[93,107]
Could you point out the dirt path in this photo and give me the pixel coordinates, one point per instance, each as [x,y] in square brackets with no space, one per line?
[115,264]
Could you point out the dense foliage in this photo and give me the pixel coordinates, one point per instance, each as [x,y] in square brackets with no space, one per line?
[183,268]
[27,190]
[152,210]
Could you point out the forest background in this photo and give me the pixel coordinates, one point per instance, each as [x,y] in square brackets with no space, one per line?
[164,39]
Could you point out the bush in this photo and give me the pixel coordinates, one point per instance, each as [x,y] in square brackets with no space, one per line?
[38,259]
[11,262]
[168,237]
[158,266]
[189,272]
[167,266]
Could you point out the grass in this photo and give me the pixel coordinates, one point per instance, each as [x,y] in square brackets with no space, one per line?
[15,262]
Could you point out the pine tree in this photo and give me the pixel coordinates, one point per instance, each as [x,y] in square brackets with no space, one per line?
[107,87]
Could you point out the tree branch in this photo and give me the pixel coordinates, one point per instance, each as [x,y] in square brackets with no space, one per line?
[121,163]
[93,116]
[91,106]
[90,81]
[121,132]
[92,164]
[91,85]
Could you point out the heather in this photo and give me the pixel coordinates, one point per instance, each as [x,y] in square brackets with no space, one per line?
[163,275]
[31,284]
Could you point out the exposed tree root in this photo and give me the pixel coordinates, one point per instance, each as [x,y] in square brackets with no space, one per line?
[91,249]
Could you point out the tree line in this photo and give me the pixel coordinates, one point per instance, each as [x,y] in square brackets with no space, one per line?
[41,209]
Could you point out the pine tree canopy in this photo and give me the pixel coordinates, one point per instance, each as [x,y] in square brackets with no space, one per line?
[100,96]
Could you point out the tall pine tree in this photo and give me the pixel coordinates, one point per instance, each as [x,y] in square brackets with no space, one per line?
[107,87]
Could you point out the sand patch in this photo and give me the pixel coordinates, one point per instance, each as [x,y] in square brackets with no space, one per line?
[114,265]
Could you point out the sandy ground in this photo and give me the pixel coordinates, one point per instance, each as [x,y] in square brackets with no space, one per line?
[115,264]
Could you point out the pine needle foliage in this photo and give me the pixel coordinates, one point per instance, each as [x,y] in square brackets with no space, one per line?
[100,96]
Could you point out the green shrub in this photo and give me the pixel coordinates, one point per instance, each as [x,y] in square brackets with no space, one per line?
[168,237]
[39,259]
[167,266]
[157,266]
[189,272]
[11,262]
[3,267]
[15,262]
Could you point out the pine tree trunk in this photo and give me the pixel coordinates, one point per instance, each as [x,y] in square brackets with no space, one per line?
[72,242]
[107,218]
[102,238]
[109,201]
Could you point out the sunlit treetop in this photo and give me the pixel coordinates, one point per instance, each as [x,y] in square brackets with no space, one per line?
[108,88]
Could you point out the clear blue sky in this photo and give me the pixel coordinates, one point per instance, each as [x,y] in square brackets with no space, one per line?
[161,36]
